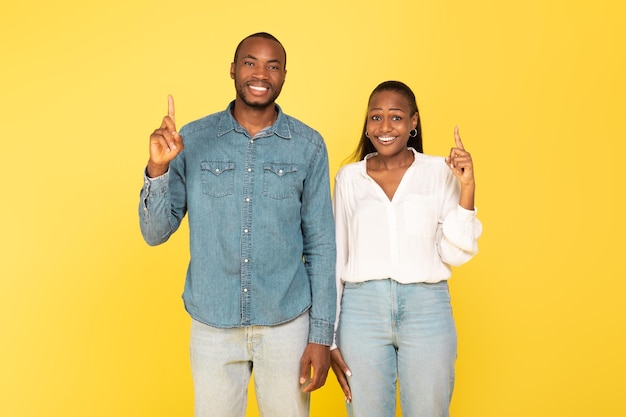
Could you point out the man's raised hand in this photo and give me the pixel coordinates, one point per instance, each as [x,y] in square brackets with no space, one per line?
[165,143]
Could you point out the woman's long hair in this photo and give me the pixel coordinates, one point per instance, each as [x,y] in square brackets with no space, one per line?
[365,145]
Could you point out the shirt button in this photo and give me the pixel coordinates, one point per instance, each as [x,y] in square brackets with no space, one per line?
[280,171]
[245,261]
[249,169]
[217,170]
[245,290]
[247,199]
[245,230]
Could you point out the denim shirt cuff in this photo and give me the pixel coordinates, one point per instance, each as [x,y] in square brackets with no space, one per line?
[156,185]
[321,332]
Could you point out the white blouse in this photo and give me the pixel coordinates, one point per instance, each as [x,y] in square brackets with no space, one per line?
[415,237]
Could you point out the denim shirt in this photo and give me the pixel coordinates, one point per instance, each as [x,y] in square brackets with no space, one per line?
[262,239]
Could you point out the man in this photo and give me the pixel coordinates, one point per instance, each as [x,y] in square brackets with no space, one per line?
[260,285]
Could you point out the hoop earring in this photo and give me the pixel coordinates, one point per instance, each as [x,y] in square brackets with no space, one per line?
[413,133]
[367,135]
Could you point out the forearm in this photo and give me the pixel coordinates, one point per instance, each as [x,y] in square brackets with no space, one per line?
[155,210]
[319,249]
[320,265]
[466,198]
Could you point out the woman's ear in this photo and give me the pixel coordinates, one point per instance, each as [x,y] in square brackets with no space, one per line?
[415,119]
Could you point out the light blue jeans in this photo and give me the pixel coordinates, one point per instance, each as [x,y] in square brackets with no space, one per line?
[392,332]
[222,361]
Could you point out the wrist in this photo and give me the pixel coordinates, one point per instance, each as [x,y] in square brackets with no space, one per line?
[154,170]
[469,185]
[466,199]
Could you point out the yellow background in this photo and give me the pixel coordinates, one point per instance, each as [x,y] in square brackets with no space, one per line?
[91,320]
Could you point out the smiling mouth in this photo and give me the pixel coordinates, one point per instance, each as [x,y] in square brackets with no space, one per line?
[386,138]
[258,88]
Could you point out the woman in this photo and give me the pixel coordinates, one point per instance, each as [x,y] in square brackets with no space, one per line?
[402,220]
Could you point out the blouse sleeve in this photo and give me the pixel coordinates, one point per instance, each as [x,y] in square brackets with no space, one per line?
[341,236]
[459,229]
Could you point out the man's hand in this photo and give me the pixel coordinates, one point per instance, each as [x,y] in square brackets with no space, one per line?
[314,366]
[165,143]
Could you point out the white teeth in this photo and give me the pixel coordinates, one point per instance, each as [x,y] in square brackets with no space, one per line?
[386,138]
[257,88]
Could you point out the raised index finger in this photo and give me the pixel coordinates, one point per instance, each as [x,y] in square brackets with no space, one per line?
[457,138]
[170,108]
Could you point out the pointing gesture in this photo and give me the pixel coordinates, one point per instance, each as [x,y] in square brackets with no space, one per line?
[165,143]
[460,162]
[170,108]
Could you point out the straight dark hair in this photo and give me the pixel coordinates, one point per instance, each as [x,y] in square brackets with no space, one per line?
[365,144]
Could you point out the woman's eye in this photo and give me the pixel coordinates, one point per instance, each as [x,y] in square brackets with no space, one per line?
[377,118]
[396,118]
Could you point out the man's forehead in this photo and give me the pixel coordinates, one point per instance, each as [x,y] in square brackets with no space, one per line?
[257,47]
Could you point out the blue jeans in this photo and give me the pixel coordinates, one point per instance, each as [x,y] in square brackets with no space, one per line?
[222,361]
[392,332]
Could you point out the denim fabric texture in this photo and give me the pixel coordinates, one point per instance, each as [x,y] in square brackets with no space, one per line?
[390,332]
[222,362]
[262,239]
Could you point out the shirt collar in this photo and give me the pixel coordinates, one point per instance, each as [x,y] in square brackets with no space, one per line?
[228,123]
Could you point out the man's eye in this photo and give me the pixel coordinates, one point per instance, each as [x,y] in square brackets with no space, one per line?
[248,64]
[273,68]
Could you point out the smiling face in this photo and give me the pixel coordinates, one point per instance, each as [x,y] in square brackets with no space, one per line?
[389,122]
[259,72]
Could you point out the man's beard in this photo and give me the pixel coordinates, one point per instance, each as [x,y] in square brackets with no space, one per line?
[241,93]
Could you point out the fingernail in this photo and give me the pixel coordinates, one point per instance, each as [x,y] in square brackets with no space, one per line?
[302,380]
[348,373]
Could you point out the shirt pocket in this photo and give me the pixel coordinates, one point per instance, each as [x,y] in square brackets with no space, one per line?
[218,178]
[279,180]
[421,215]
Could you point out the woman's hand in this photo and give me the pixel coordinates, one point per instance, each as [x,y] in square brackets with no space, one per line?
[462,166]
[342,372]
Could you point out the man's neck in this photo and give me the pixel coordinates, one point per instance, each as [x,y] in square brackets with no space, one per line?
[254,119]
